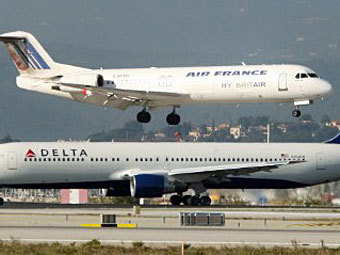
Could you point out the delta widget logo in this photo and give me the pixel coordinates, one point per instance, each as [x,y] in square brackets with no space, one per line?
[30,154]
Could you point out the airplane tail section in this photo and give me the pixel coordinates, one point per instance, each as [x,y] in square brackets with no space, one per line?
[30,57]
[334,140]
[26,52]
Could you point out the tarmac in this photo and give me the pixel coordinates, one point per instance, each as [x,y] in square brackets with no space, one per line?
[161,227]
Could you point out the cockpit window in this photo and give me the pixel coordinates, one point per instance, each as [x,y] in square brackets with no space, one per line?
[304,76]
[313,75]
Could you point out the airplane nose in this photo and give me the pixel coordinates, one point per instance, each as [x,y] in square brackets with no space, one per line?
[327,88]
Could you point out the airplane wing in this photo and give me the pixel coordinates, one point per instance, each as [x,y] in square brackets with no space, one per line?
[244,168]
[122,98]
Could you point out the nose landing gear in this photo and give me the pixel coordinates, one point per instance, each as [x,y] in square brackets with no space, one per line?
[296,113]
[1,201]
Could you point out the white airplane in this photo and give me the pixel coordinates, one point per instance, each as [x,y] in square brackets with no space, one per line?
[153,169]
[154,88]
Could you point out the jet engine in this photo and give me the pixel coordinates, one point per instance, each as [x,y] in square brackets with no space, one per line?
[149,185]
[85,79]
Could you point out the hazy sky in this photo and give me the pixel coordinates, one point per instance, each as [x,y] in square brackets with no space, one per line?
[132,33]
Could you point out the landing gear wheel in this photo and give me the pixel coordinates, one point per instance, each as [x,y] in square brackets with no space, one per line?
[1,201]
[143,117]
[175,199]
[173,119]
[186,199]
[296,113]
[205,200]
[194,201]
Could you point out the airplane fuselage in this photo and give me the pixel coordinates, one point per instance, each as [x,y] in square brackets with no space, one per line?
[104,165]
[211,84]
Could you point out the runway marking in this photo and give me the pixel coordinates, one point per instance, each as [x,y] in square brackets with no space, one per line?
[196,243]
[91,225]
[109,225]
[330,224]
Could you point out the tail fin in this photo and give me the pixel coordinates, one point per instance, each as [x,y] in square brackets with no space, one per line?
[334,140]
[27,53]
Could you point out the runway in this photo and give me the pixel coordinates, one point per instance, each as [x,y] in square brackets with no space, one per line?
[266,237]
[161,228]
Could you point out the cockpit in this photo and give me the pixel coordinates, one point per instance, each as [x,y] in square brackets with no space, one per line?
[300,76]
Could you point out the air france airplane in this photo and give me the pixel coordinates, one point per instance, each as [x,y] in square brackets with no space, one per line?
[154,169]
[154,88]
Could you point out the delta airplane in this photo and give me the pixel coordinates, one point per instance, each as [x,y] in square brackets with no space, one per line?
[154,88]
[153,169]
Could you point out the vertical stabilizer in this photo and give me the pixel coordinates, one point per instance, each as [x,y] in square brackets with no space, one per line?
[27,53]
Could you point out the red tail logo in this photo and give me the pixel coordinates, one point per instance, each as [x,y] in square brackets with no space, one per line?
[30,154]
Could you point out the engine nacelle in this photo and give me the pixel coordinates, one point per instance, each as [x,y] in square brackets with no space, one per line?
[86,79]
[149,185]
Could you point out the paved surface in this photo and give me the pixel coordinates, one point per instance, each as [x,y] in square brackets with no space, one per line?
[156,226]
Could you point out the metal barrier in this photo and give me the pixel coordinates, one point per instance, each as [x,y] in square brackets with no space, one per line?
[202,219]
[108,219]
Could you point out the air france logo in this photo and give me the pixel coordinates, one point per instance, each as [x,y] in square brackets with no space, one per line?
[30,154]
[228,73]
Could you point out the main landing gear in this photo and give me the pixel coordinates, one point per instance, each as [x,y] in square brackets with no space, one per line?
[143,116]
[190,200]
[1,201]
[172,119]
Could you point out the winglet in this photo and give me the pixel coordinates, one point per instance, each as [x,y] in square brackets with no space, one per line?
[334,140]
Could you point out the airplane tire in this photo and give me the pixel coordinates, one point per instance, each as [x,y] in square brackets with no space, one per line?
[175,200]
[173,119]
[1,201]
[194,201]
[143,117]
[186,199]
[296,113]
[205,201]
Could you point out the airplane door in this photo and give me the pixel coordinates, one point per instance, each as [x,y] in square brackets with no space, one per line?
[2,163]
[283,82]
[320,161]
[12,161]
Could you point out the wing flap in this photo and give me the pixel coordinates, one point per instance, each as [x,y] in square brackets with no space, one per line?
[123,98]
[231,169]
